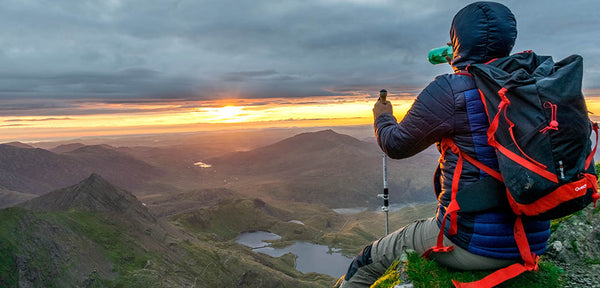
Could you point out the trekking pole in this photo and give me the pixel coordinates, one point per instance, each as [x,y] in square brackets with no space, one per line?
[385,196]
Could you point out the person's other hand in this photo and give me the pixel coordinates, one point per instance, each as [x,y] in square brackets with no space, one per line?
[381,108]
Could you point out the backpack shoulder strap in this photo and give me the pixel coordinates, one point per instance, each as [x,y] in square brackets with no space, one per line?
[454,207]
[530,260]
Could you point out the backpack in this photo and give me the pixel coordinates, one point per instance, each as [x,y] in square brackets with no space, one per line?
[540,129]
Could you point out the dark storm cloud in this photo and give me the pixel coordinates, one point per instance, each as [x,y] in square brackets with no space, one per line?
[192,50]
[134,82]
[252,75]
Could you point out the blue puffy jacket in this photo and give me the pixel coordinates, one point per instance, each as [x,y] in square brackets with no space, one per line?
[450,107]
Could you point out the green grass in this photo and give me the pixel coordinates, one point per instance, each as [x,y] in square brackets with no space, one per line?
[227,220]
[232,217]
[429,274]
[592,261]
[119,247]
[116,245]
[9,239]
[18,228]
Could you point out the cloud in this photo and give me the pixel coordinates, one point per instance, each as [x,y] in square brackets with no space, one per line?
[200,50]
[38,119]
[243,76]
[13,125]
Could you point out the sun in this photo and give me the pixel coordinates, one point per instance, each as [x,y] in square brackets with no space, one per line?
[226,113]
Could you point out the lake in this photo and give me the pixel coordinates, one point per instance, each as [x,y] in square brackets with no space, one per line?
[310,257]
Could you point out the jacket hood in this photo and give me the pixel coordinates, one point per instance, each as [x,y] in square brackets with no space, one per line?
[480,32]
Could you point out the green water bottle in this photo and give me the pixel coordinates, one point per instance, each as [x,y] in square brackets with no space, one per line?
[438,55]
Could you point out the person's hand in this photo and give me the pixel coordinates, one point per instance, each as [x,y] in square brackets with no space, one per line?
[381,108]
[448,58]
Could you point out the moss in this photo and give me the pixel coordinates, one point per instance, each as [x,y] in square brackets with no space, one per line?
[428,274]
[390,278]
[592,261]
[575,246]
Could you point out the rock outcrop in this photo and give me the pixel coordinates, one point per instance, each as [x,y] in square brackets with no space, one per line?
[575,246]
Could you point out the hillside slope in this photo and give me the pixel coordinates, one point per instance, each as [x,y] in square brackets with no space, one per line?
[9,198]
[94,234]
[37,171]
[327,168]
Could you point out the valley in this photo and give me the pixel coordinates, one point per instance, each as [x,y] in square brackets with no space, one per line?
[145,216]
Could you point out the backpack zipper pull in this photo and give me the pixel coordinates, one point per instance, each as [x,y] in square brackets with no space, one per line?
[561,168]
[553,125]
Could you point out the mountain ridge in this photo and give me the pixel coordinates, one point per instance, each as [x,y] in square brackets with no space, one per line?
[37,171]
[66,148]
[326,167]
[91,235]
[92,194]
[19,145]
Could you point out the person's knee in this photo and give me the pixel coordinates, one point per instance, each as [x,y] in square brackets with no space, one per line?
[362,259]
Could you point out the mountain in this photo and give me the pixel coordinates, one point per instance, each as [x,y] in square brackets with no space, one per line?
[177,203]
[92,194]
[37,171]
[120,168]
[66,148]
[328,168]
[298,153]
[19,145]
[94,234]
[9,198]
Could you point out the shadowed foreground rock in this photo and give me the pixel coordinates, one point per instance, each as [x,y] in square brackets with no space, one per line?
[575,246]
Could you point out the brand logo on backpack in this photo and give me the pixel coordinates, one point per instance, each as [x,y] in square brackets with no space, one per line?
[582,187]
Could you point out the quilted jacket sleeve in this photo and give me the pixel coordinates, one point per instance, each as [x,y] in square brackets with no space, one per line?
[430,118]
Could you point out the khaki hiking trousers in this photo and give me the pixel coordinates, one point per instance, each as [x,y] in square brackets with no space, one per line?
[419,236]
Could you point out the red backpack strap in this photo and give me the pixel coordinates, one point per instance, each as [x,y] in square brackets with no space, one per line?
[530,263]
[453,207]
[528,163]
[564,193]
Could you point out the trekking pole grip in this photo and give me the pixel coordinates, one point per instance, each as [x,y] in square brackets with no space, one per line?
[383,95]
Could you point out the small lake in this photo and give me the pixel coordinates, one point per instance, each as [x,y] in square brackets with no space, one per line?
[310,257]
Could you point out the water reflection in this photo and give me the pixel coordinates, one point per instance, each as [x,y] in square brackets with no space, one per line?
[310,257]
[256,239]
[202,165]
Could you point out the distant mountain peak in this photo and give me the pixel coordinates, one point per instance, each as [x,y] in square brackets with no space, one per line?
[323,136]
[19,145]
[93,148]
[92,194]
[66,148]
[326,131]
[95,181]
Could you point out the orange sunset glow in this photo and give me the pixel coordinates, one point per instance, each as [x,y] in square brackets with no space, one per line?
[193,116]
[189,116]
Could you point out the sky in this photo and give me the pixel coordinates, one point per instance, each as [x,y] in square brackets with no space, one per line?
[110,67]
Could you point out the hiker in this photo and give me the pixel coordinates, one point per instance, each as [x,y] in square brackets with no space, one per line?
[450,107]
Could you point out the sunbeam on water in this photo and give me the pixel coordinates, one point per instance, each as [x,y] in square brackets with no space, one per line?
[202,165]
